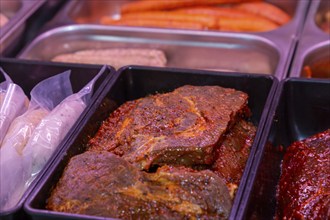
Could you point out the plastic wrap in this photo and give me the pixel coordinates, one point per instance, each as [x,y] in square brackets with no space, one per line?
[54,127]
[44,97]
[21,128]
[13,102]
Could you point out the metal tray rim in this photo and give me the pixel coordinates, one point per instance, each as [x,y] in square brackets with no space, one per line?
[283,37]
[96,27]
[279,70]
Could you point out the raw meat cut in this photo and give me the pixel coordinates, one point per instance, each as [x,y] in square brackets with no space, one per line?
[179,128]
[103,184]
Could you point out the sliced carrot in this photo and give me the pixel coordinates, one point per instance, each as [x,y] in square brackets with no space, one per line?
[266,10]
[158,5]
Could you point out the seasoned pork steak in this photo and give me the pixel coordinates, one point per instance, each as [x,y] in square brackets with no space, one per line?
[103,184]
[233,152]
[181,127]
[304,187]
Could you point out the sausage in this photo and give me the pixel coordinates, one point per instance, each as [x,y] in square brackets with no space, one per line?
[266,10]
[151,5]
[230,19]
[246,24]
[217,11]
[206,21]
[153,23]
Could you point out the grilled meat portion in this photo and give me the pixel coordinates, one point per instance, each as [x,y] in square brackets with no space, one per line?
[103,184]
[179,128]
[304,187]
[233,152]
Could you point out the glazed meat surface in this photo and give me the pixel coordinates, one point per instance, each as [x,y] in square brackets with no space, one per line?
[103,184]
[304,187]
[179,128]
[233,152]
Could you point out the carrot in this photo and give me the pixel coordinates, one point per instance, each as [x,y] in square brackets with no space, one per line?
[158,5]
[266,10]
[209,22]
[147,22]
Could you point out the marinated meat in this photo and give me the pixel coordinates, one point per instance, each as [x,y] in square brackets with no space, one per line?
[304,186]
[103,184]
[116,57]
[233,152]
[179,128]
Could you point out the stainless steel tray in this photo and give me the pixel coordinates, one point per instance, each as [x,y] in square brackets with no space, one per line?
[314,43]
[18,11]
[9,9]
[284,38]
[90,12]
[225,51]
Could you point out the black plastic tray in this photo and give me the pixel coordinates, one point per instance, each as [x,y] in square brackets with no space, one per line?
[135,82]
[27,74]
[301,109]
[18,13]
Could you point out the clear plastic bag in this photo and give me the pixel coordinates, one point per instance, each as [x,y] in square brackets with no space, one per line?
[54,127]
[13,102]
[13,173]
